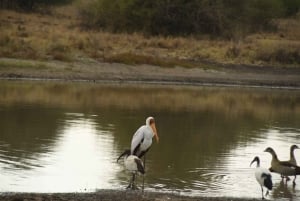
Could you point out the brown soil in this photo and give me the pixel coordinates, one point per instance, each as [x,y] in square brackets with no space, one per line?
[91,70]
[110,195]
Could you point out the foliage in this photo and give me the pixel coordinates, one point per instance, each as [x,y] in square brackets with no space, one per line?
[182,17]
[30,5]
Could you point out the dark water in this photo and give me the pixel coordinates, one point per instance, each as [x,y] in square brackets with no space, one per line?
[65,137]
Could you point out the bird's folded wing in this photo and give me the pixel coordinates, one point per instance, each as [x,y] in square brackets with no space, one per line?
[137,138]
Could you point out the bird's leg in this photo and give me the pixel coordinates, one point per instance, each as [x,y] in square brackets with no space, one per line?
[131,184]
[134,187]
[287,179]
[262,193]
[143,175]
[294,181]
[267,193]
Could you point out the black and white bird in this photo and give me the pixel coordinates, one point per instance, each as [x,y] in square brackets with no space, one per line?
[142,138]
[134,165]
[142,141]
[263,177]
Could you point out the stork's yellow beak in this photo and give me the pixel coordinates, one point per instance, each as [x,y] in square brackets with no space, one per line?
[154,131]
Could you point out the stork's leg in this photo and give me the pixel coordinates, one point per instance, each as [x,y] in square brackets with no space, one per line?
[145,170]
[294,181]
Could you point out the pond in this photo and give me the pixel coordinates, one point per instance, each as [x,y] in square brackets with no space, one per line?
[66,137]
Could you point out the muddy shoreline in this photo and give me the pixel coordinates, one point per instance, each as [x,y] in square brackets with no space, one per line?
[99,72]
[111,195]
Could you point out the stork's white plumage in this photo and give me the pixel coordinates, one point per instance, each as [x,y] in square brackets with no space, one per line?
[142,139]
[263,177]
[134,165]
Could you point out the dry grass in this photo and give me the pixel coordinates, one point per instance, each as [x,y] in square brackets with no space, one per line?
[58,36]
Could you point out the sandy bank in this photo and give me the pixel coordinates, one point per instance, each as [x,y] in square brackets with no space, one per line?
[91,70]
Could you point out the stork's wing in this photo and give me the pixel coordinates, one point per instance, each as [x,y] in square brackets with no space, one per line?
[137,138]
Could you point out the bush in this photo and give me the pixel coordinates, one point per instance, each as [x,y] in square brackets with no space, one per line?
[30,5]
[279,52]
[180,17]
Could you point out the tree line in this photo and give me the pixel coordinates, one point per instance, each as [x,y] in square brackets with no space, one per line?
[184,17]
[30,5]
[173,17]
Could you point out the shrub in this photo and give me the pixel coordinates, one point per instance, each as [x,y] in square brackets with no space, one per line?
[180,17]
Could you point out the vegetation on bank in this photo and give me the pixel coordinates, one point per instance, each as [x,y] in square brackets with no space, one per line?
[128,32]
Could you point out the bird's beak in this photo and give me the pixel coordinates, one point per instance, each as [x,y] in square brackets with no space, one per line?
[252,162]
[155,131]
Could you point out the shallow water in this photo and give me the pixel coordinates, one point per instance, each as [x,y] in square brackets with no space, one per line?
[66,137]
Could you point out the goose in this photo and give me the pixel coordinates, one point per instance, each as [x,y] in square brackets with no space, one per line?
[263,177]
[282,167]
[134,165]
[292,158]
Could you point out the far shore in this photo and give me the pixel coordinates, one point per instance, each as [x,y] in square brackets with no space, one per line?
[101,72]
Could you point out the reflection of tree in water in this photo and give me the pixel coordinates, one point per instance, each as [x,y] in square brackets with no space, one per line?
[26,132]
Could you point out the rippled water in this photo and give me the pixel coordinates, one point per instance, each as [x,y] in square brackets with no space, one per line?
[66,137]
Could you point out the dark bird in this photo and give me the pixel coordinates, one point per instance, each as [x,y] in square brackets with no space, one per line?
[292,158]
[283,168]
[263,177]
[134,165]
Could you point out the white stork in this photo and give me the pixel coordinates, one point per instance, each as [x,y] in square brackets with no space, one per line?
[263,177]
[142,139]
[134,165]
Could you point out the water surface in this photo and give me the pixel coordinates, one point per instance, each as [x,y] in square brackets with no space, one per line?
[66,137]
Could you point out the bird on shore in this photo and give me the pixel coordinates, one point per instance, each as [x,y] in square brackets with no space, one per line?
[282,167]
[263,177]
[134,165]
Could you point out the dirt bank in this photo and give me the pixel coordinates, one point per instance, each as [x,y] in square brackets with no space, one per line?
[92,70]
[110,195]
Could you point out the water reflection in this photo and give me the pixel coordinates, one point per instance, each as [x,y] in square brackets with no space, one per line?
[58,137]
[79,158]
